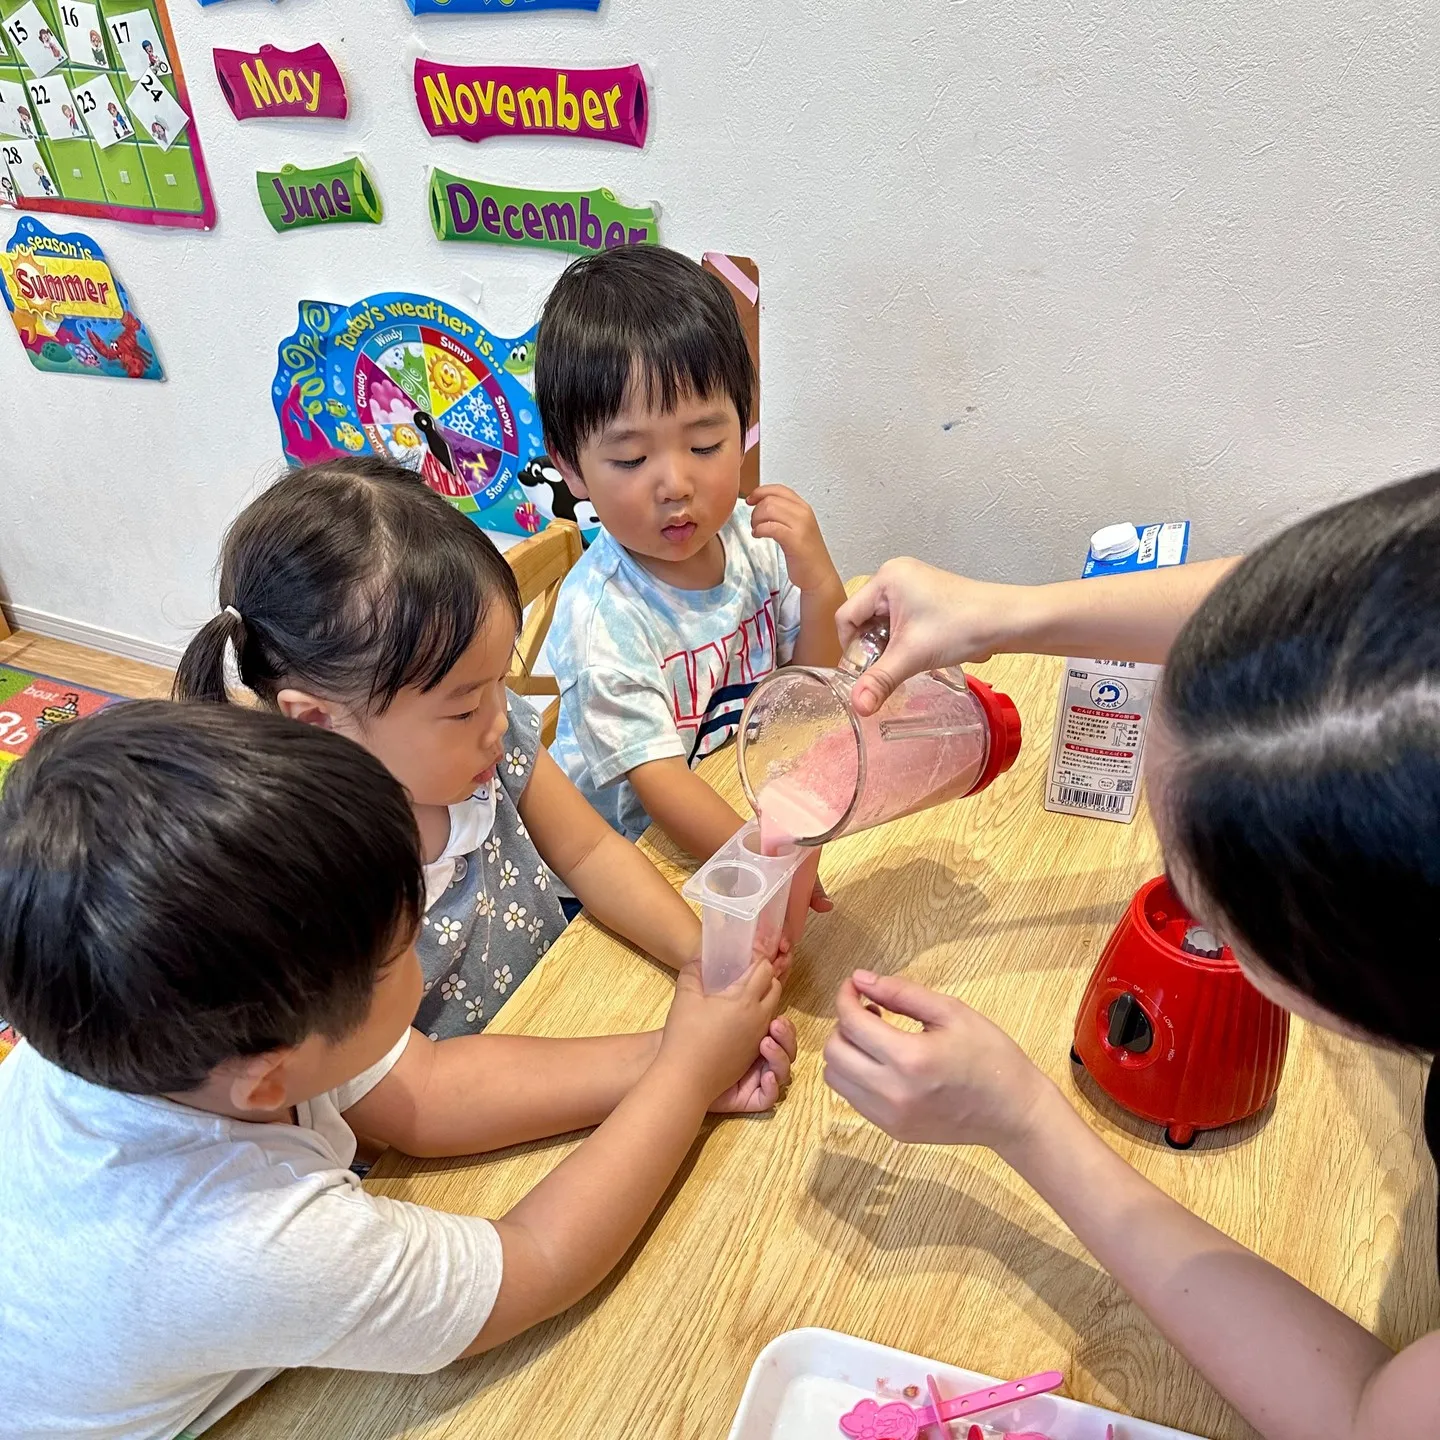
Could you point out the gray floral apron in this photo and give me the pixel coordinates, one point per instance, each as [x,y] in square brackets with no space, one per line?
[498,915]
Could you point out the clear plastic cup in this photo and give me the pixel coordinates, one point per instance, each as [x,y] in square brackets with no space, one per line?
[743,896]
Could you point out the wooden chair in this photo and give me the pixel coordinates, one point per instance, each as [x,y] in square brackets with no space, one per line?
[540,564]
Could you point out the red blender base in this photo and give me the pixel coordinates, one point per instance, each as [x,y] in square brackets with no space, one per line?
[1171,1029]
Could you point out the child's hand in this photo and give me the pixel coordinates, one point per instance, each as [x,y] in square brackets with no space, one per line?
[783,959]
[960,1081]
[762,1085]
[781,515]
[820,901]
[714,1039]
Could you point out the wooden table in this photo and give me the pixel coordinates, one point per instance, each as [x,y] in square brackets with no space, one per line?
[812,1217]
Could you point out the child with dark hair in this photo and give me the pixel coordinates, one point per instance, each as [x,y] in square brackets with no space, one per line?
[684,602]
[207,918]
[357,599]
[1294,775]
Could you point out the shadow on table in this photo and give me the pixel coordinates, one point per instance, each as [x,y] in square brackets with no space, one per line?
[872,1217]
[886,916]
[1148,1133]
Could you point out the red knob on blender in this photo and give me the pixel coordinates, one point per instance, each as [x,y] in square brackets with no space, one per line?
[1003,718]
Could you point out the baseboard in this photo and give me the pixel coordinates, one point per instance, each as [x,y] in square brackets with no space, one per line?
[113,642]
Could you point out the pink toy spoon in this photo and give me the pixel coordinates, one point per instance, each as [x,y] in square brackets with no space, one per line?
[899,1421]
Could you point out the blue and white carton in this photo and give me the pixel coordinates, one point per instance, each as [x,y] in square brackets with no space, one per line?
[1099,744]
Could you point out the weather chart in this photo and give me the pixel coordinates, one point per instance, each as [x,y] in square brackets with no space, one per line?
[95,118]
[412,378]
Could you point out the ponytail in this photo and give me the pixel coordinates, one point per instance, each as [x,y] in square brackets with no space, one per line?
[351,579]
[201,672]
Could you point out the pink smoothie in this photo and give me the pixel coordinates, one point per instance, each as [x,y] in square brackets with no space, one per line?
[788,813]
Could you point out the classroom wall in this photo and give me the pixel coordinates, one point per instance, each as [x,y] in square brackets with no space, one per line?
[1027,268]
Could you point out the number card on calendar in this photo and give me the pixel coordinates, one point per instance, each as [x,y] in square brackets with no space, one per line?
[34,41]
[84,39]
[12,97]
[27,169]
[138,43]
[103,113]
[55,105]
[156,111]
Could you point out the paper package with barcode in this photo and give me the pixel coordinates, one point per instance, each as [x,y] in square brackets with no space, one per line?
[1100,722]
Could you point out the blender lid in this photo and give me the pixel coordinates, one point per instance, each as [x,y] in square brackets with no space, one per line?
[1003,717]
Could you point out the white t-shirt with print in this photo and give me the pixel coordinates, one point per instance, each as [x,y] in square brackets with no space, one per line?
[647,671]
[159,1263]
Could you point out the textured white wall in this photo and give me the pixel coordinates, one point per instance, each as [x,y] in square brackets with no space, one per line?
[1028,267]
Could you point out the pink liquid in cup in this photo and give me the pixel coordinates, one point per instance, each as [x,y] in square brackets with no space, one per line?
[784,812]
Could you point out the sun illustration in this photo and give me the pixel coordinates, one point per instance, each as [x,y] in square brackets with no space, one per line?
[445,378]
[406,436]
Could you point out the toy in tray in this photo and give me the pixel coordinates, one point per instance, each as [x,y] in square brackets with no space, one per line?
[900,1420]
[95,118]
[817,1384]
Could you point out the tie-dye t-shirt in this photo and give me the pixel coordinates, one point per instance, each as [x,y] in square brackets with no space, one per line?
[647,671]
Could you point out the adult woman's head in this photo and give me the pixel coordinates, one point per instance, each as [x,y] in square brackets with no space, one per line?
[356,598]
[1297,764]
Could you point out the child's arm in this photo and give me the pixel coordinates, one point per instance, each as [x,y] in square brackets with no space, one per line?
[609,876]
[781,515]
[484,1092]
[573,1227]
[1294,1366]
[684,806]
[939,619]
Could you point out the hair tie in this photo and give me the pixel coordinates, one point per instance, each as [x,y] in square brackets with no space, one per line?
[231,610]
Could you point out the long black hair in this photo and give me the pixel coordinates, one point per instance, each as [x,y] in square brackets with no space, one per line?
[1305,698]
[351,578]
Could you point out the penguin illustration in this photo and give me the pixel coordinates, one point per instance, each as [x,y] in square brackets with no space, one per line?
[546,490]
[434,440]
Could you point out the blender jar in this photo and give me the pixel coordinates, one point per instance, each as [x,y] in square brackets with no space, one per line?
[814,770]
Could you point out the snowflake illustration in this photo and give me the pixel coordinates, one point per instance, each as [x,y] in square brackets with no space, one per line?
[474,1012]
[515,762]
[489,430]
[509,874]
[447,930]
[452,986]
[542,880]
[492,849]
[514,916]
[484,905]
[460,423]
[503,979]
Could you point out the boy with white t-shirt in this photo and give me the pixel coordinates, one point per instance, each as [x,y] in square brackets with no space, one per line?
[663,628]
[207,921]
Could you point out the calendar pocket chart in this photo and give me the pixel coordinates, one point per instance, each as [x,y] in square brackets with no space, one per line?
[110,121]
